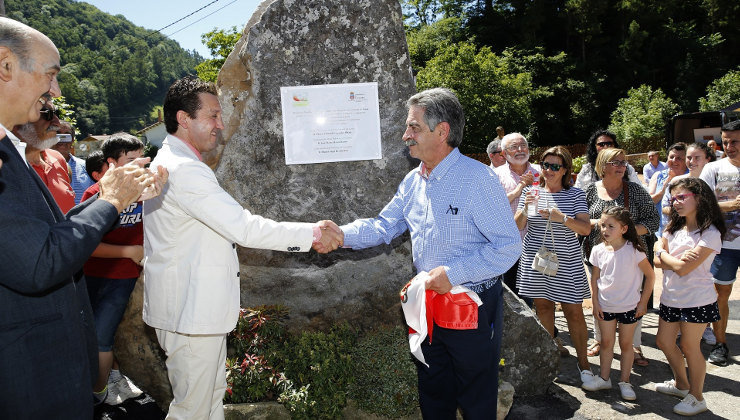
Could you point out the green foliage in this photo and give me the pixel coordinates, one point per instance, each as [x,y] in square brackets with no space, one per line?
[641,118]
[113,72]
[578,163]
[220,42]
[64,110]
[491,92]
[425,41]
[722,93]
[385,376]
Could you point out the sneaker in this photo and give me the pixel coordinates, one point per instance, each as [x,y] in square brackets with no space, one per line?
[690,406]
[113,398]
[718,355]
[597,384]
[669,388]
[708,336]
[625,388]
[586,375]
[124,388]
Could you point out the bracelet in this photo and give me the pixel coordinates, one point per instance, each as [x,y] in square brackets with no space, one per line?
[658,252]
[565,218]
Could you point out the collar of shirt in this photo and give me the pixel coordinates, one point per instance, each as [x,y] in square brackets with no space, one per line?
[190,146]
[518,177]
[19,145]
[441,169]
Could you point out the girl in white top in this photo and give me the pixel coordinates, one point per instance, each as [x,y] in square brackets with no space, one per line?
[619,263]
[691,239]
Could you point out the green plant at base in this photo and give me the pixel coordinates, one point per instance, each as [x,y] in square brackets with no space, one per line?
[385,375]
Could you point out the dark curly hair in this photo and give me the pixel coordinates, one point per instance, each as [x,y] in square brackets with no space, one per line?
[624,218]
[591,152]
[183,95]
[707,208]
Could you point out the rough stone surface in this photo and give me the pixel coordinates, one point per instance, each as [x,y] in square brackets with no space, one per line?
[505,400]
[258,411]
[530,355]
[314,42]
[139,354]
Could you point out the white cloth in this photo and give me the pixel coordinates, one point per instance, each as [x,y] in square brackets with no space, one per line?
[19,145]
[191,268]
[724,178]
[415,311]
[697,287]
[195,368]
[620,278]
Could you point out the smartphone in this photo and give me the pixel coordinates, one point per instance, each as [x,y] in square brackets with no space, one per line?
[67,138]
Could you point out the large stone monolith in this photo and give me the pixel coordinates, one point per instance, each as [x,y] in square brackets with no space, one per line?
[316,42]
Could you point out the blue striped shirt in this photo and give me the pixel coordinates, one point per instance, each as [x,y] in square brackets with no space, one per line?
[458,216]
[79,178]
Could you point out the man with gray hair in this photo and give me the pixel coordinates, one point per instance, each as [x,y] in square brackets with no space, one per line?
[495,154]
[461,235]
[48,351]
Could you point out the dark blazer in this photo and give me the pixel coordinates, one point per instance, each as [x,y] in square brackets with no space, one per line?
[48,349]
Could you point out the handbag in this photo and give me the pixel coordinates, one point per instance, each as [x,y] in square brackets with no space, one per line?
[546,261]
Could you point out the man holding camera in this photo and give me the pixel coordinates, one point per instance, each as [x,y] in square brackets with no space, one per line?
[78,176]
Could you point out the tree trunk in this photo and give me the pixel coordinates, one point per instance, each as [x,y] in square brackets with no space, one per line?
[2,7]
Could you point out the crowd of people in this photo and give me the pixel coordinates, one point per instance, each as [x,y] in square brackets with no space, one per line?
[610,224]
[75,242]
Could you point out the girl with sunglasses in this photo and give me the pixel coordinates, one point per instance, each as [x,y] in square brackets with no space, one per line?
[692,237]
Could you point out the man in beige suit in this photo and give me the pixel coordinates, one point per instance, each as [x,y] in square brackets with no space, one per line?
[191,294]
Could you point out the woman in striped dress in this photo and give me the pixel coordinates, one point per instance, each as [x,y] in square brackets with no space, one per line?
[566,209]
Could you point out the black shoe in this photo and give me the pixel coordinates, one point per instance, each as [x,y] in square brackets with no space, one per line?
[718,355]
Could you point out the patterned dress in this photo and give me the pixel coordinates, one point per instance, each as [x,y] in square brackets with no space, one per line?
[641,208]
[569,284]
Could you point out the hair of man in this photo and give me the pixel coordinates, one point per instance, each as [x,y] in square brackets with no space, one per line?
[441,105]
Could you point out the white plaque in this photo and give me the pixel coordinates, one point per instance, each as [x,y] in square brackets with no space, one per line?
[331,123]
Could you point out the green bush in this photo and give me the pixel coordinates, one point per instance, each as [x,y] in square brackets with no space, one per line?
[641,118]
[385,375]
[578,163]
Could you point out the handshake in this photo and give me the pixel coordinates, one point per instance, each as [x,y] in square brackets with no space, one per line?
[331,237]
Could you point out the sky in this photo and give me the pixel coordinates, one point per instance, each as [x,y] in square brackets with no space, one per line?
[156,14]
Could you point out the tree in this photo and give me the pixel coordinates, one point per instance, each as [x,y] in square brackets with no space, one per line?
[490,91]
[425,41]
[641,118]
[220,42]
[722,92]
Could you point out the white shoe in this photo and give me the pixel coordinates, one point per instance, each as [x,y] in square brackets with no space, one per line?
[689,406]
[124,388]
[113,398]
[669,388]
[625,388]
[708,336]
[597,384]
[586,375]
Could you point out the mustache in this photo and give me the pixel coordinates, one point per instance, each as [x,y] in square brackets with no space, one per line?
[410,142]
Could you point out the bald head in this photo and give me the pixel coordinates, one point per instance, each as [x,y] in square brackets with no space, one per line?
[29,64]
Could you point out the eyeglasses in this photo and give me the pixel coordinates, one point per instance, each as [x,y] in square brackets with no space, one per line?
[605,144]
[617,163]
[551,166]
[680,197]
[514,147]
[47,114]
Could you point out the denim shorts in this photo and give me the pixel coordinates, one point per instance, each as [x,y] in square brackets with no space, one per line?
[724,266]
[109,298]
[695,315]
[622,317]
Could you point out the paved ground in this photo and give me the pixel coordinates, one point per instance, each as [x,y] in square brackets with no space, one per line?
[566,399]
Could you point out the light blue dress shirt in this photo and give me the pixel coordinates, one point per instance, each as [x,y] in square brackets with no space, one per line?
[458,217]
[80,180]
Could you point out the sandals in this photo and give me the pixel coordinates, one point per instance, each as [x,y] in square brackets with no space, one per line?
[640,360]
[593,349]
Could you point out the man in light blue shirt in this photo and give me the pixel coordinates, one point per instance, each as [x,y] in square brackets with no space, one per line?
[79,179]
[462,233]
[654,165]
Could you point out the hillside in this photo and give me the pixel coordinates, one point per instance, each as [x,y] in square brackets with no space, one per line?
[113,72]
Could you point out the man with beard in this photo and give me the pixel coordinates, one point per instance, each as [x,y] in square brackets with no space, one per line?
[516,174]
[49,164]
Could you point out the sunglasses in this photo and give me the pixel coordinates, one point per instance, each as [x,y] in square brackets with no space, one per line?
[617,163]
[605,144]
[680,197]
[47,114]
[551,166]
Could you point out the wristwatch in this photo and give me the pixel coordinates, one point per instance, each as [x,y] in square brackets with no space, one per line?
[565,218]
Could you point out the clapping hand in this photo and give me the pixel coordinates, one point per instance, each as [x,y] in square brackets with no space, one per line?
[331,237]
[160,178]
[123,185]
